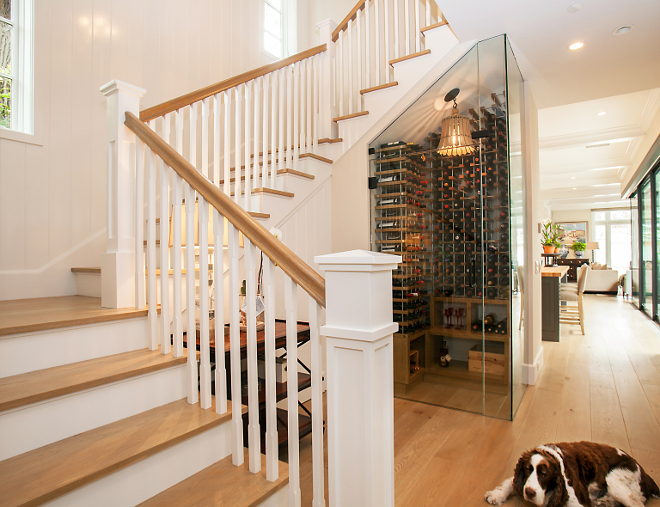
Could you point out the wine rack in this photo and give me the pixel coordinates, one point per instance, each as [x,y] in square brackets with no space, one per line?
[448,218]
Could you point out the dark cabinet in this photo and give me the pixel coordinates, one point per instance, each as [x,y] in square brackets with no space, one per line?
[573,265]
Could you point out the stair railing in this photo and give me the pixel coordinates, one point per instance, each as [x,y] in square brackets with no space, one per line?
[375,34]
[247,128]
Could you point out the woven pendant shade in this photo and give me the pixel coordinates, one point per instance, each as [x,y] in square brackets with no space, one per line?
[455,138]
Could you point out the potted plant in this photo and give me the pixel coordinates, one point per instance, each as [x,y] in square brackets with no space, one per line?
[557,245]
[579,247]
[550,233]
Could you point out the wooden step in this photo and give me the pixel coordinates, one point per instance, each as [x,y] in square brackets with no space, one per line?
[379,87]
[40,385]
[434,25]
[329,140]
[223,484]
[42,314]
[410,56]
[49,472]
[350,116]
[268,191]
[315,157]
[279,173]
[87,271]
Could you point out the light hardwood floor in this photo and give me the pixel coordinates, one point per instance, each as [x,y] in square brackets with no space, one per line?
[603,387]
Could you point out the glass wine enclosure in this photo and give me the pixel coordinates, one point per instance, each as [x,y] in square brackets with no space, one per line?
[451,205]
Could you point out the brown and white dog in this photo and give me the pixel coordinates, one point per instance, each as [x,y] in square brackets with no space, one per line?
[575,474]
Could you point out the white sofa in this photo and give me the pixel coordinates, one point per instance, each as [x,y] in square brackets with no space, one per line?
[602,281]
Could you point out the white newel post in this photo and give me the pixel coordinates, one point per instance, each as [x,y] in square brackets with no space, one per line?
[327,106]
[118,263]
[360,392]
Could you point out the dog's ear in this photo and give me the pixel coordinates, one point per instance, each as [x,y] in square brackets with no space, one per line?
[555,492]
[520,474]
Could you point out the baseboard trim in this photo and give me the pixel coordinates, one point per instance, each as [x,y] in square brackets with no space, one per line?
[531,372]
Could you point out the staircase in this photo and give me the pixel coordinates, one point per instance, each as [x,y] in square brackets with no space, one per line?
[106,407]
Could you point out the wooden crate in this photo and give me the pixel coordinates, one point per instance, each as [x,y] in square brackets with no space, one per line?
[494,362]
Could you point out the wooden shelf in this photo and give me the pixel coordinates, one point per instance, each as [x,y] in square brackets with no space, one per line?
[468,334]
[459,369]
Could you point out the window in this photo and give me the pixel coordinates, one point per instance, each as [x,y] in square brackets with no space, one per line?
[16,66]
[613,232]
[273,27]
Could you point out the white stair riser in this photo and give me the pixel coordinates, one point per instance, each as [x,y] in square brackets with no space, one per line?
[46,422]
[88,284]
[278,499]
[140,481]
[27,352]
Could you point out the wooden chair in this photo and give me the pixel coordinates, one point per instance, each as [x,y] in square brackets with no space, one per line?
[571,314]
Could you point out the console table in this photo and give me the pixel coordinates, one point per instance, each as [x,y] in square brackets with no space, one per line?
[573,265]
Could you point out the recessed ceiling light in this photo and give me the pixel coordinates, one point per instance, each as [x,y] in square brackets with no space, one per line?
[572,177]
[574,8]
[574,188]
[575,45]
[623,29]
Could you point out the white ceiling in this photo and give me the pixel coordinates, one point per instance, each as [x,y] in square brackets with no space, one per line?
[615,74]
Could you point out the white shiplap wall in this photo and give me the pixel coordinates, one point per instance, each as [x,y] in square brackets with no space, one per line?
[53,196]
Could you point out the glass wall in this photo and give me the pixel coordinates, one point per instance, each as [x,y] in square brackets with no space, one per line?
[455,214]
[646,298]
[634,262]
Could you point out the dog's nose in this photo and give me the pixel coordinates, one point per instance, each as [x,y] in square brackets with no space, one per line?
[530,493]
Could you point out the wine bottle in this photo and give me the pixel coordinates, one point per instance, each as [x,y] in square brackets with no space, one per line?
[444,358]
[477,325]
[490,319]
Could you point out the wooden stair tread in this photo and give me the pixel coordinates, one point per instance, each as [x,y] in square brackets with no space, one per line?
[89,271]
[379,87]
[279,172]
[434,25]
[350,116]
[329,140]
[223,484]
[51,471]
[315,157]
[40,385]
[41,314]
[271,191]
[410,56]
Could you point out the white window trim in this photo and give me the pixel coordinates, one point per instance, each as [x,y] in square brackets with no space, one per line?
[607,222]
[23,82]
[289,29]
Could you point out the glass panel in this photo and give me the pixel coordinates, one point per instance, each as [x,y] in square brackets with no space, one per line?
[272,21]
[5,9]
[273,45]
[599,215]
[5,47]
[620,242]
[657,238]
[620,215]
[634,263]
[5,102]
[647,250]
[600,235]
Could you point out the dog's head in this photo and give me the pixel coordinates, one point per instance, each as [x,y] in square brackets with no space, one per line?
[538,479]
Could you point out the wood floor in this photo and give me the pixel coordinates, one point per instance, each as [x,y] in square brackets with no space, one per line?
[603,387]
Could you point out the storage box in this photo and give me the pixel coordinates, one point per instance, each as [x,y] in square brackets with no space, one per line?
[494,362]
[280,369]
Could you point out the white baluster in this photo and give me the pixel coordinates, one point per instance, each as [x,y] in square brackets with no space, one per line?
[367,33]
[204,337]
[289,116]
[301,99]
[359,59]
[165,344]
[177,201]
[272,470]
[315,108]
[281,77]
[309,87]
[318,466]
[291,307]
[254,432]
[296,114]
[406,24]
[205,137]
[264,157]
[191,326]
[151,247]
[140,301]
[418,34]
[386,19]
[237,145]
[247,147]
[428,12]
[193,135]
[273,129]
[349,60]
[256,183]
[377,30]
[235,348]
[216,139]
[227,144]
[219,314]
[397,42]
[340,72]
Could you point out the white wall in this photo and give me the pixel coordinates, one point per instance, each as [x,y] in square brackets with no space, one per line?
[316,11]
[53,196]
[578,215]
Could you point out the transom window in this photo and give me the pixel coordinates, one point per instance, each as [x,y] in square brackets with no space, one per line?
[273,27]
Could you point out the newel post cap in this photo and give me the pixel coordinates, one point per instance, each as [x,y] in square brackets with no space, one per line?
[358,260]
[117,85]
[329,22]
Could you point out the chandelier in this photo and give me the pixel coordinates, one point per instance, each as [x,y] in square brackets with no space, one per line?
[455,137]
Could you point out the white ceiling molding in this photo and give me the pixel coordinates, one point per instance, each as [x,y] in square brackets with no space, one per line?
[611,135]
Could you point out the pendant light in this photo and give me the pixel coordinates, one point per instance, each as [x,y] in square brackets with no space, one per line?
[455,138]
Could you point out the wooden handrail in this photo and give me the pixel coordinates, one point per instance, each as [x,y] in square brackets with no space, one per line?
[291,264]
[154,112]
[351,15]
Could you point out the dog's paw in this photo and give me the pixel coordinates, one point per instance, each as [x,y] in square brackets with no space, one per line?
[496,496]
